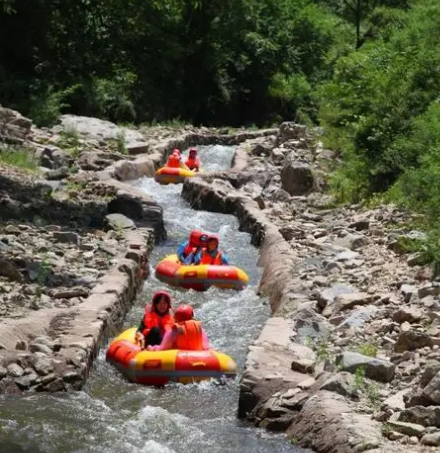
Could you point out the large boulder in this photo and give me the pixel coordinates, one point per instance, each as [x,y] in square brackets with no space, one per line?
[13,124]
[297,178]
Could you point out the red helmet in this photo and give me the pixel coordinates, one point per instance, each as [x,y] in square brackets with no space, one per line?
[177,150]
[184,313]
[194,237]
[192,151]
[203,238]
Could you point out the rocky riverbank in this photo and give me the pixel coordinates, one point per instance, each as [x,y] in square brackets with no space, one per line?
[350,360]
[75,239]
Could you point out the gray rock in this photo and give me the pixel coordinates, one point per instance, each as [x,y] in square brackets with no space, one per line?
[412,340]
[431,369]
[26,381]
[409,429]
[43,366]
[342,383]
[67,237]
[69,293]
[421,415]
[432,390]
[409,314]
[118,222]
[432,439]
[328,295]
[15,370]
[8,270]
[297,179]
[36,347]
[377,369]
[346,256]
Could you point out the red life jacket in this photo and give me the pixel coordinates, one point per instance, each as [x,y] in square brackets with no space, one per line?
[189,335]
[173,161]
[192,163]
[208,259]
[152,319]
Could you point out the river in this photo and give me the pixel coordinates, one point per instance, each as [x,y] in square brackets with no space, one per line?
[111,415]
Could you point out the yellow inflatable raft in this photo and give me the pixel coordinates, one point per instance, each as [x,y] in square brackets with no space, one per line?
[159,367]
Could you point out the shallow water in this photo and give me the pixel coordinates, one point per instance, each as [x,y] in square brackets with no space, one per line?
[112,415]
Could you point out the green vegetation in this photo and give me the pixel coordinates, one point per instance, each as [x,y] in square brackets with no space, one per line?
[21,158]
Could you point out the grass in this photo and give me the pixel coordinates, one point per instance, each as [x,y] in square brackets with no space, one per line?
[23,159]
[370,350]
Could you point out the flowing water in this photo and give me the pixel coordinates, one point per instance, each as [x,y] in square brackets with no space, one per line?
[112,415]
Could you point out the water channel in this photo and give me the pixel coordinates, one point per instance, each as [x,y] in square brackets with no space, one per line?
[112,415]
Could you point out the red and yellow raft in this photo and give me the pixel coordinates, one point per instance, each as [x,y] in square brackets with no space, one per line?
[172,175]
[160,367]
[201,277]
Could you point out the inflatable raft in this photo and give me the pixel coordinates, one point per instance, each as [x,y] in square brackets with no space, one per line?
[160,367]
[172,175]
[201,277]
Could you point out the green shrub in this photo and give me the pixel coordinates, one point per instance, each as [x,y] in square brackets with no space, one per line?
[24,159]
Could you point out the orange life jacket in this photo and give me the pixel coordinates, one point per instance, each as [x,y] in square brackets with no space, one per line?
[189,335]
[208,259]
[192,163]
[152,319]
[173,161]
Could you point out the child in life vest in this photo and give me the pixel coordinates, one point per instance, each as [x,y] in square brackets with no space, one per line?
[188,249]
[186,334]
[193,161]
[175,160]
[157,320]
[211,254]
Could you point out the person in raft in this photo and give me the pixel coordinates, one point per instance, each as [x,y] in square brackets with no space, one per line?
[188,250]
[193,161]
[211,254]
[158,319]
[175,160]
[186,334]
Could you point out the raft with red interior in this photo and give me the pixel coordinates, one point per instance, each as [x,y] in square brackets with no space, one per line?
[200,277]
[172,175]
[160,367]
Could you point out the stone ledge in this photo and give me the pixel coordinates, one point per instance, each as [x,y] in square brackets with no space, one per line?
[53,349]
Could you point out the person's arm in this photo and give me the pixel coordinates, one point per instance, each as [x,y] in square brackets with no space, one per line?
[180,251]
[205,339]
[198,258]
[168,341]
[225,260]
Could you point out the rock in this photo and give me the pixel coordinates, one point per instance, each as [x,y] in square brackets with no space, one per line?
[67,237]
[289,130]
[425,416]
[346,256]
[361,224]
[43,366]
[69,293]
[54,158]
[118,222]
[35,347]
[15,370]
[409,314]
[396,402]
[377,369]
[8,270]
[342,383]
[432,390]
[297,179]
[3,372]
[408,292]
[431,369]
[26,381]
[412,340]
[303,365]
[328,295]
[56,385]
[432,439]
[429,290]
[261,150]
[409,429]
[347,301]
[352,241]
